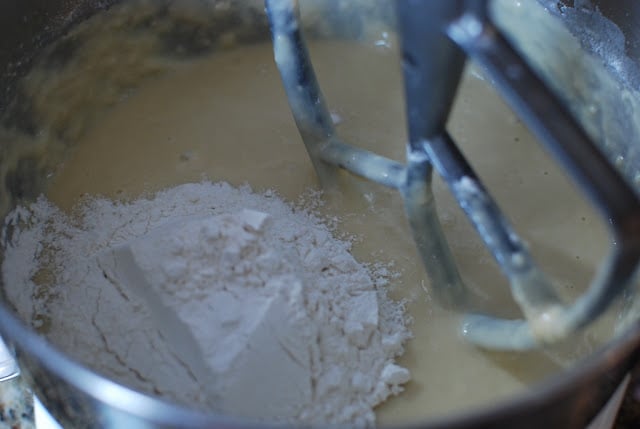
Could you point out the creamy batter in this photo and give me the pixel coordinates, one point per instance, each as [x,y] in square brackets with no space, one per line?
[224,116]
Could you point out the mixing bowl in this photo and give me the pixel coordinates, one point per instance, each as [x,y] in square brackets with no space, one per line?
[78,397]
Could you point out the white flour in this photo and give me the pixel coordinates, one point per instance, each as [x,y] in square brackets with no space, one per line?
[211,295]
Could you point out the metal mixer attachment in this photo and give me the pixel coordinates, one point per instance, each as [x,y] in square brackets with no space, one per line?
[437,36]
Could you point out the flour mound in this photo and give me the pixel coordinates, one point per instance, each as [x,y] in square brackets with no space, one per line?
[215,296]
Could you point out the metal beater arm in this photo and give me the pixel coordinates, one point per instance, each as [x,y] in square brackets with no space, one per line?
[328,153]
[437,35]
[466,26]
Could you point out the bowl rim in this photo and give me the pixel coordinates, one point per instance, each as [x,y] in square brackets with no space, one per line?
[612,360]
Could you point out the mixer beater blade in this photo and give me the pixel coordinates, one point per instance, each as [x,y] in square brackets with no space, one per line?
[437,37]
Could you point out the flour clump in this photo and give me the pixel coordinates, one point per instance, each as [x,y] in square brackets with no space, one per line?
[213,296]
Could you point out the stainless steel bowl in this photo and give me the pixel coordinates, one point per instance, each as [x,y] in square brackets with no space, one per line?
[78,397]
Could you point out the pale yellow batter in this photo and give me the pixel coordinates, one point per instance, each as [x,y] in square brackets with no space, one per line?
[225,117]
